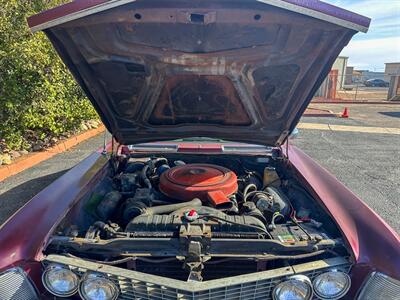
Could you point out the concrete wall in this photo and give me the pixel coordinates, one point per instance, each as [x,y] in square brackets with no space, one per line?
[348,80]
[340,65]
[390,70]
[394,88]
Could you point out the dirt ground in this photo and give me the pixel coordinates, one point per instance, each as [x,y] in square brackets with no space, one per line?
[363,93]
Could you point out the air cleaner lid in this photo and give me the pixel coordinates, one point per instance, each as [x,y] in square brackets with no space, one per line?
[196,180]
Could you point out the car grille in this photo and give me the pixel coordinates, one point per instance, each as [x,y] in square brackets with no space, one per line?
[15,285]
[174,269]
[380,286]
[137,285]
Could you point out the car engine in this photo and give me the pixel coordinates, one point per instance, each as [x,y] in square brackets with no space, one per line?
[187,219]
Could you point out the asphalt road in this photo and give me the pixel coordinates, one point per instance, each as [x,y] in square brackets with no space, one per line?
[380,115]
[15,191]
[367,163]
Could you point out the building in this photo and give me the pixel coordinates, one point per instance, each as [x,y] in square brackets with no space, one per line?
[391,69]
[348,77]
[340,64]
[392,75]
[335,80]
[394,88]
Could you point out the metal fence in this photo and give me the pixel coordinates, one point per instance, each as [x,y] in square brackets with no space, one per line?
[352,87]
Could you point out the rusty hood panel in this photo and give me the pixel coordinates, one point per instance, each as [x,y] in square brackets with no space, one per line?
[237,70]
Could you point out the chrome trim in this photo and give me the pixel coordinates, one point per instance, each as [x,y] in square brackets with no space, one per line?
[80,14]
[315,14]
[15,284]
[380,286]
[277,3]
[258,285]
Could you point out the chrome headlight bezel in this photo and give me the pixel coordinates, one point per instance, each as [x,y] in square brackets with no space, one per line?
[302,279]
[92,276]
[50,288]
[338,295]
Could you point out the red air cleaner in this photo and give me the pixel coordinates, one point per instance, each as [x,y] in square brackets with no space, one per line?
[210,183]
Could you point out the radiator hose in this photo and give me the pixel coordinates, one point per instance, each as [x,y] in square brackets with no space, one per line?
[165,209]
[139,208]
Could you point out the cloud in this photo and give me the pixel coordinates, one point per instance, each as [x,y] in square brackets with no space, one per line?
[382,42]
[374,9]
[373,53]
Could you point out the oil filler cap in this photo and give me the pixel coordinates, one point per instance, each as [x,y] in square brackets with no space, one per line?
[192,215]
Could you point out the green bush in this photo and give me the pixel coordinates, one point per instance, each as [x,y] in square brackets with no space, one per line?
[39,99]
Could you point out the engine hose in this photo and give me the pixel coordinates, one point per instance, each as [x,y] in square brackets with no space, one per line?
[253,193]
[150,165]
[165,209]
[144,177]
[107,228]
[276,214]
[246,190]
[155,161]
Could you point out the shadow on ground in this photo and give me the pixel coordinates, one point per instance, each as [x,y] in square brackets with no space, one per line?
[393,114]
[13,199]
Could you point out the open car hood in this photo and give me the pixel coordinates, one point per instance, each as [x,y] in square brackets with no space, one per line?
[237,70]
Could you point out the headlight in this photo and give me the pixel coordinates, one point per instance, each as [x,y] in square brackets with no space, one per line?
[297,287]
[97,287]
[60,281]
[331,285]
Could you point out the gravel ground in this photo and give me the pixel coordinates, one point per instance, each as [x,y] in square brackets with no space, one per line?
[369,164]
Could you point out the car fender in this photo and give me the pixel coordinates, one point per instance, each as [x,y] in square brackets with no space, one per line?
[372,241]
[24,235]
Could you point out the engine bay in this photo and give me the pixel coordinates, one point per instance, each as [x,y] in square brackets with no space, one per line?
[197,217]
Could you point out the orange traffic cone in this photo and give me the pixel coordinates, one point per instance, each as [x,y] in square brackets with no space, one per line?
[345,113]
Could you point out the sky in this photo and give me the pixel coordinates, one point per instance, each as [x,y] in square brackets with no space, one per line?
[381,44]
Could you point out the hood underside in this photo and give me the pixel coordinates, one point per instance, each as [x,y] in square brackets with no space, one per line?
[236,70]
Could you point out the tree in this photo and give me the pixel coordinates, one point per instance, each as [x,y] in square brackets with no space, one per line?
[39,99]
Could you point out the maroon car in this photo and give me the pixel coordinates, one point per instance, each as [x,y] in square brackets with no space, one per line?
[200,195]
